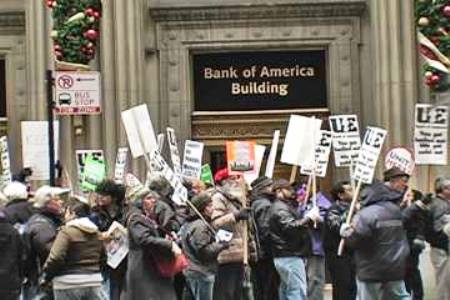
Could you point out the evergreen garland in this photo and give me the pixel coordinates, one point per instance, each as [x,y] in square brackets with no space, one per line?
[76,31]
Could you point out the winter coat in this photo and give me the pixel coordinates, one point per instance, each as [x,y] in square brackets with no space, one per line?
[288,231]
[103,219]
[18,211]
[166,217]
[224,208]
[11,257]
[317,232]
[146,246]
[438,209]
[414,221]
[379,238]
[335,217]
[77,249]
[40,232]
[200,247]
[261,204]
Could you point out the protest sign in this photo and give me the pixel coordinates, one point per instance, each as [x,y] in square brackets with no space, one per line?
[117,246]
[139,129]
[300,141]
[250,176]
[77,93]
[81,156]
[6,176]
[240,156]
[174,153]
[180,192]
[401,158]
[94,172]
[192,162]
[35,152]
[207,175]
[121,163]
[323,149]
[270,166]
[430,134]
[368,154]
[160,139]
[346,139]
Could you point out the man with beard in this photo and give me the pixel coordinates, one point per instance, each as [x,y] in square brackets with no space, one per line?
[227,213]
[291,243]
[265,274]
[378,238]
[342,268]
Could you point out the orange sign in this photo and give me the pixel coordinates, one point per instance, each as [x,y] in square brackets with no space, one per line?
[240,156]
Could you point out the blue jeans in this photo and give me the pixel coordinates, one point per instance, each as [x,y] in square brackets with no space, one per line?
[292,278]
[390,290]
[91,293]
[315,268]
[198,287]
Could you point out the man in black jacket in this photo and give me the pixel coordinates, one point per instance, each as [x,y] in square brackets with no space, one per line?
[379,241]
[265,275]
[342,268]
[291,242]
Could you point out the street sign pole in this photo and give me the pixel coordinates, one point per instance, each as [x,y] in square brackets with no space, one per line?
[51,135]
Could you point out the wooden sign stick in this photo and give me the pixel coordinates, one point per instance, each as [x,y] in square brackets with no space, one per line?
[293,174]
[350,215]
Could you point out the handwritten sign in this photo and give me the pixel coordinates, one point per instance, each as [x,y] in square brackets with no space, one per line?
[240,156]
[94,172]
[369,153]
[192,162]
[401,158]
[299,144]
[346,139]
[323,149]
[6,176]
[81,156]
[180,192]
[174,153]
[430,134]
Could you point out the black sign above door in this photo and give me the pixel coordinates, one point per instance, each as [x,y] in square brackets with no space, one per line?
[263,80]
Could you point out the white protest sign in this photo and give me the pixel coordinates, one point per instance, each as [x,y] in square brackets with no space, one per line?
[401,158]
[250,176]
[192,162]
[139,129]
[174,153]
[5,161]
[346,139]
[77,93]
[368,154]
[180,192]
[270,166]
[121,163]
[323,149]
[430,135]
[81,157]
[160,140]
[299,145]
[35,152]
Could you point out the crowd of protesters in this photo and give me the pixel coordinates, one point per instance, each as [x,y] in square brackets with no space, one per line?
[268,240]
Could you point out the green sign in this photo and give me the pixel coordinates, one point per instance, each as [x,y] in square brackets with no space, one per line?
[93,173]
[206,175]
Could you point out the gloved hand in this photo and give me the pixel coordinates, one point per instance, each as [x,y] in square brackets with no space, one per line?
[242,215]
[418,244]
[176,250]
[346,230]
[314,215]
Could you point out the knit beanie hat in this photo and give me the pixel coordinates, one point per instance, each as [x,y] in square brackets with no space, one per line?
[201,200]
[261,182]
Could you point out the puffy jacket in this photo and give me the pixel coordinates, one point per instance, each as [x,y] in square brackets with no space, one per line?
[200,247]
[18,211]
[11,257]
[77,250]
[288,231]
[224,208]
[379,238]
[261,204]
[436,219]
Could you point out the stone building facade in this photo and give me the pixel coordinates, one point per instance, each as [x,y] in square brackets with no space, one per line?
[146,53]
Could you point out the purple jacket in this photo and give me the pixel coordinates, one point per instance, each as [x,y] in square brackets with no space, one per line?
[317,233]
